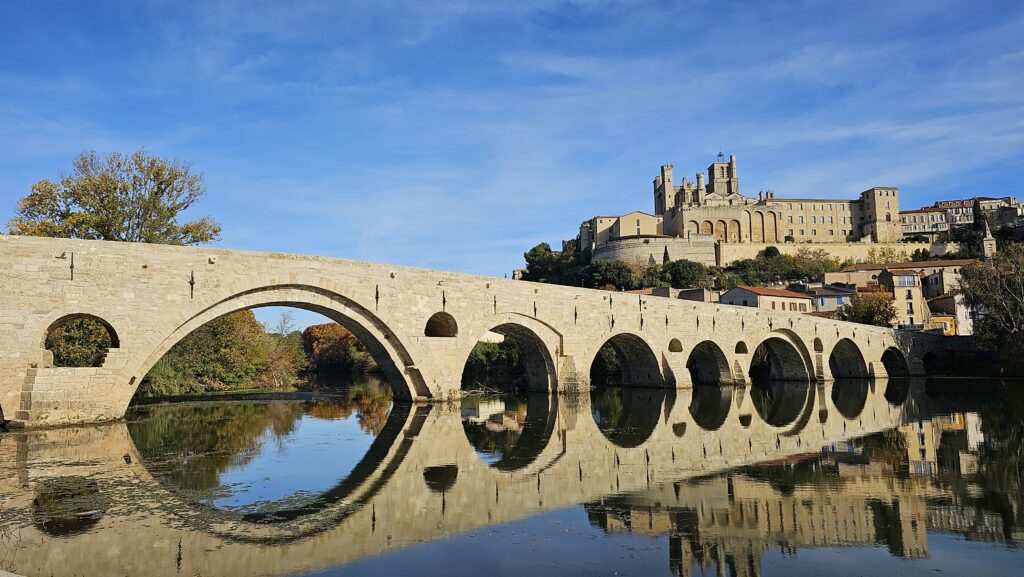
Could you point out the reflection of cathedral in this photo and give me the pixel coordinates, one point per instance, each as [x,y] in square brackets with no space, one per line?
[843,497]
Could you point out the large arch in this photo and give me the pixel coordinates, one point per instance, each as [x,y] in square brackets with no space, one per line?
[846,361]
[394,360]
[780,357]
[639,363]
[895,362]
[538,358]
[708,365]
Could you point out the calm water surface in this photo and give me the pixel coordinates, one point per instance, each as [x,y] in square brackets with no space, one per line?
[855,478]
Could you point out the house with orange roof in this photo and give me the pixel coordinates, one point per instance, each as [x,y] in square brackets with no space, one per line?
[767,298]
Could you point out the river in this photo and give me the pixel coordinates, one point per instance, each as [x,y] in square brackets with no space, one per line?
[851,478]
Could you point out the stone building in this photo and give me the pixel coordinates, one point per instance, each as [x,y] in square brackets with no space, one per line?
[767,298]
[702,219]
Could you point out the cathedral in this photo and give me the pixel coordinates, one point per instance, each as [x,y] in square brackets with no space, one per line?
[693,218]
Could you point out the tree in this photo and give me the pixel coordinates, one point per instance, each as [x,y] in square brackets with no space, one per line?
[285,357]
[133,198]
[686,274]
[548,266]
[870,309]
[995,291]
[331,348]
[78,342]
[610,273]
[665,258]
[772,252]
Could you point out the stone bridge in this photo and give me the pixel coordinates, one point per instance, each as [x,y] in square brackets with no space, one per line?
[419,325]
[422,479]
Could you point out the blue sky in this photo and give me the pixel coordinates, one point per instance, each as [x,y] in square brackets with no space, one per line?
[458,134]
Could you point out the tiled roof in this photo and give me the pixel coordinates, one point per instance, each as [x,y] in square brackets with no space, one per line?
[774,292]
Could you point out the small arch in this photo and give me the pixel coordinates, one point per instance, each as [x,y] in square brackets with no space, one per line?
[441,478]
[818,346]
[674,346]
[707,364]
[846,361]
[441,324]
[80,340]
[741,348]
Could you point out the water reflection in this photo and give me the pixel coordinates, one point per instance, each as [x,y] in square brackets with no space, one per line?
[722,474]
[508,431]
[260,459]
[627,416]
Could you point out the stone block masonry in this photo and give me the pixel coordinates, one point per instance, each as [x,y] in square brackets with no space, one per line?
[419,325]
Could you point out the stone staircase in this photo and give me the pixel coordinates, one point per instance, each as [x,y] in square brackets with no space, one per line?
[62,394]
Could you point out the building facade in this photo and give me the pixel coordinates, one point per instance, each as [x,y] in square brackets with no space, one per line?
[700,219]
[769,299]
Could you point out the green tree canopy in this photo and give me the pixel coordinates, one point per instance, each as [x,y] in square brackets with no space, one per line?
[135,198]
[686,274]
[870,309]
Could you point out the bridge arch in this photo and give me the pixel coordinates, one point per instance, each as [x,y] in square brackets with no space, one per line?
[113,340]
[441,324]
[637,360]
[781,357]
[895,362]
[846,361]
[394,360]
[708,364]
[538,343]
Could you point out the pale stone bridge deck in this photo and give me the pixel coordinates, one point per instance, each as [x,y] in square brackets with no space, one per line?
[419,325]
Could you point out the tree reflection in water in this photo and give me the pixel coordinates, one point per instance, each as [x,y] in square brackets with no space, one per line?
[192,447]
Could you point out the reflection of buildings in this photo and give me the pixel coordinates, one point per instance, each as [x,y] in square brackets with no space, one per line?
[840,497]
[482,410]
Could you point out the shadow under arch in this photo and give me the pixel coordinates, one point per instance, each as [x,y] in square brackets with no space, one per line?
[541,418]
[708,365]
[637,361]
[895,362]
[846,361]
[897,391]
[781,357]
[383,344]
[627,417]
[850,396]
[710,406]
[358,489]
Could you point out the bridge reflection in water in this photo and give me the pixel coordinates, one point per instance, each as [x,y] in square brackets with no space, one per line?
[724,472]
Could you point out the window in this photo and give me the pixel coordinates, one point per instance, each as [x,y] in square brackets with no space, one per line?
[790,232]
[801,206]
[814,232]
[828,207]
[831,232]
[801,220]
[830,220]
[814,220]
[822,301]
[773,305]
[801,232]
[789,206]
[910,295]
[905,280]
[790,220]
[792,306]
[910,308]
[803,307]
[745,302]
